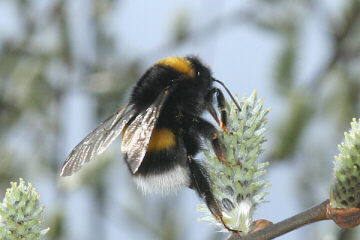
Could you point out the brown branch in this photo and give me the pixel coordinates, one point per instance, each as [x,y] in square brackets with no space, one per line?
[312,215]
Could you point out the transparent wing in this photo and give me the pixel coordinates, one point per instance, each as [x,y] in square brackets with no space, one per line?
[97,141]
[137,136]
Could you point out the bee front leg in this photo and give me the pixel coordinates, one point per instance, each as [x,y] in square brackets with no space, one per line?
[221,107]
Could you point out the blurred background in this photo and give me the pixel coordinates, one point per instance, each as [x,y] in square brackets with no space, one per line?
[67,65]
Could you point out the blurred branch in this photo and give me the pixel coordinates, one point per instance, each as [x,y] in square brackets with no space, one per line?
[340,34]
[238,16]
[298,117]
[346,234]
[290,132]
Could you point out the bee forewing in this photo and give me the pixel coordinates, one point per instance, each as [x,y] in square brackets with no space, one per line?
[137,136]
[97,141]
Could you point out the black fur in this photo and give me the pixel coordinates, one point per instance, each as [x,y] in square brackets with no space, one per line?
[181,113]
[177,95]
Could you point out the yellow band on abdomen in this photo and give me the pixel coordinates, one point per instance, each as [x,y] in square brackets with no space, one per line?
[161,139]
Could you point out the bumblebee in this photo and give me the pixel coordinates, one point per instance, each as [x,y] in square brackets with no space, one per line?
[162,128]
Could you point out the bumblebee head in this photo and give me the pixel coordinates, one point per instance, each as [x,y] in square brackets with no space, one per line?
[188,78]
[192,67]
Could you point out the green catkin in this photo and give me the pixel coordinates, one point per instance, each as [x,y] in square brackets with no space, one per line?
[239,190]
[345,190]
[20,214]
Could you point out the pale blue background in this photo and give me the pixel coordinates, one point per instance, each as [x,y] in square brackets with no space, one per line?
[241,56]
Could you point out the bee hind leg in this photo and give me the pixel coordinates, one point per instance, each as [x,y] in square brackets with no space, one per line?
[208,131]
[201,184]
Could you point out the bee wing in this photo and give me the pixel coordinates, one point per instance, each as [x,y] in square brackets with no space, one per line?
[137,136]
[97,141]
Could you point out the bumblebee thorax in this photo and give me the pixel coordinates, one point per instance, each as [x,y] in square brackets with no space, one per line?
[179,64]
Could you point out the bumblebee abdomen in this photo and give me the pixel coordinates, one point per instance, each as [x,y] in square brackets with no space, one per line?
[164,168]
[167,181]
[161,139]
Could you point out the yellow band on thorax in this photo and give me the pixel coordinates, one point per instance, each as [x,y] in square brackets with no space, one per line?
[179,64]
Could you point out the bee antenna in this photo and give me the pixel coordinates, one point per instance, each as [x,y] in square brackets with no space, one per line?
[228,91]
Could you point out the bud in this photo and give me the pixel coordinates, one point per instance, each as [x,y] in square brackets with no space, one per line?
[345,191]
[239,189]
[20,214]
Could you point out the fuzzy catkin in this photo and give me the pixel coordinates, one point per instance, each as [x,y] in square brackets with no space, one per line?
[20,213]
[345,190]
[239,190]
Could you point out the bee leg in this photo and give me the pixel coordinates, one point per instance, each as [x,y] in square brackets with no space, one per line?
[221,107]
[208,131]
[201,184]
[213,114]
[220,151]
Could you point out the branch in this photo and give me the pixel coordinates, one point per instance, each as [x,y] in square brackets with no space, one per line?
[312,215]
[343,217]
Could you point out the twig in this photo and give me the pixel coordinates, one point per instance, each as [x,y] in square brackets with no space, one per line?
[312,215]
